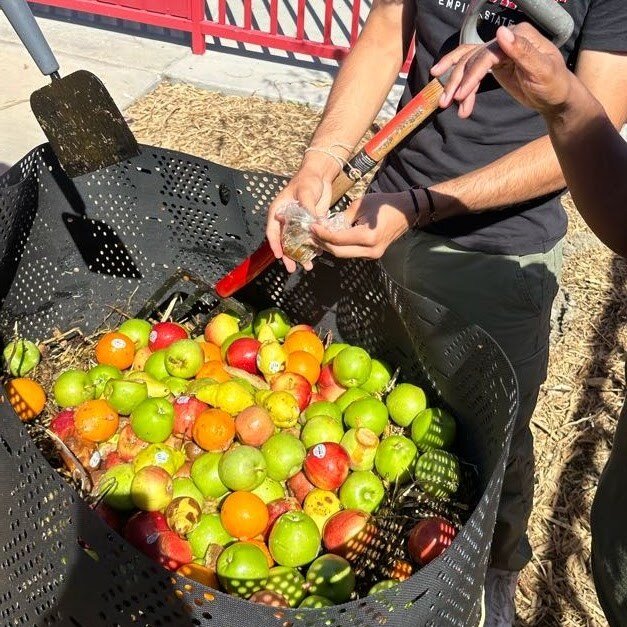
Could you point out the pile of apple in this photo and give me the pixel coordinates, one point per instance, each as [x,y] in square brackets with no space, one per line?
[253,459]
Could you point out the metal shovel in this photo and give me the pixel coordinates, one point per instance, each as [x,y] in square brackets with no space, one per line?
[85,128]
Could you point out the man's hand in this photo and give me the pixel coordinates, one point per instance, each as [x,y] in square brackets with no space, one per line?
[378,220]
[526,64]
[311,187]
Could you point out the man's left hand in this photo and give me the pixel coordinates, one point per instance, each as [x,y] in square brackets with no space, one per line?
[377,219]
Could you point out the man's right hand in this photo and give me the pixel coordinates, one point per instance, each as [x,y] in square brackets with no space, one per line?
[311,188]
[525,63]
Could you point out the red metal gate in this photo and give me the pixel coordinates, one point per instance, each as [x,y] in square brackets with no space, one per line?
[291,25]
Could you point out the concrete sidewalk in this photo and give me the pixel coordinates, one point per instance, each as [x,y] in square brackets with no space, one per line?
[130,66]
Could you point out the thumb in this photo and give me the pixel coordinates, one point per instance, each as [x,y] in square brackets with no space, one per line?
[519,49]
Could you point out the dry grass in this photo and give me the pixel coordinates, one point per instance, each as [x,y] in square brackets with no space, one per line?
[579,404]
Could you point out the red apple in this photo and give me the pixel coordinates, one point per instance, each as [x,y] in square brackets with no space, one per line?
[242,353]
[186,410]
[174,552]
[327,465]
[278,508]
[112,517]
[129,445]
[315,397]
[429,538]
[347,533]
[163,334]
[296,385]
[328,388]
[299,486]
[63,423]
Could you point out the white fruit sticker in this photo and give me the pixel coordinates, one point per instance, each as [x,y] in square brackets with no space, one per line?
[153,336]
[118,342]
[181,400]
[161,457]
[94,460]
[319,451]
[152,538]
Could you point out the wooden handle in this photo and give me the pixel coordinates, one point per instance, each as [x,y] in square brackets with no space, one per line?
[414,113]
[340,186]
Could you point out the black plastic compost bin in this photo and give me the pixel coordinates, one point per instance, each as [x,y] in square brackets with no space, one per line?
[72,252]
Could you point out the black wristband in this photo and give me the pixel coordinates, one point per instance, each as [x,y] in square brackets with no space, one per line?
[432,215]
[412,193]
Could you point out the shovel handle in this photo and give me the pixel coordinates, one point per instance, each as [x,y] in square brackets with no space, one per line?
[21,18]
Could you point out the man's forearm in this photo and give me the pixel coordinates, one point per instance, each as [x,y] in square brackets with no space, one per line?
[364,80]
[593,157]
[521,175]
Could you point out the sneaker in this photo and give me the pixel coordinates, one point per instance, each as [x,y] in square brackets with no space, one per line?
[500,588]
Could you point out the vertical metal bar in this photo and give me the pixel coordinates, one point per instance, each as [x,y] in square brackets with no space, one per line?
[300,20]
[221,11]
[199,44]
[355,22]
[274,16]
[328,20]
[248,14]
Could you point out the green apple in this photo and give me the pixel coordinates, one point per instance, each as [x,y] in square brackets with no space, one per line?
[294,539]
[125,396]
[352,366]
[284,455]
[242,468]
[153,420]
[433,428]
[385,584]
[396,458]
[209,530]
[405,402]
[322,408]
[380,376]
[276,319]
[242,569]
[205,475]
[160,455]
[115,485]
[369,413]
[350,396]
[155,365]
[99,376]
[321,429]
[137,330]
[72,388]
[438,473]
[332,577]
[362,490]
[184,359]
[269,490]
[21,356]
[361,446]
[184,486]
[332,350]
[288,582]
[315,601]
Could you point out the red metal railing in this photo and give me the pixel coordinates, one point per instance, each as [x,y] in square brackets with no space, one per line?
[270,23]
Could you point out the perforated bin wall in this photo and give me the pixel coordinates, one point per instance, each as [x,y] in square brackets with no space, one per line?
[71,253]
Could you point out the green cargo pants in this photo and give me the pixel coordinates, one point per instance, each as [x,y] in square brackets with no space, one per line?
[510,297]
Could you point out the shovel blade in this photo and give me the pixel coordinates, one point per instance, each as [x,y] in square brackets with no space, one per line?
[85,128]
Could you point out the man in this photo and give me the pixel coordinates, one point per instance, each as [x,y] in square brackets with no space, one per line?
[593,157]
[492,247]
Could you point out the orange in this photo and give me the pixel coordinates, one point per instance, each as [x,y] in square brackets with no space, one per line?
[96,420]
[27,397]
[304,364]
[266,551]
[115,349]
[211,351]
[213,430]
[306,341]
[244,515]
[214,370]
[199,573]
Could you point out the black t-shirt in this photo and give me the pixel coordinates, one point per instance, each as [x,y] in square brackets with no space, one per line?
[447,146]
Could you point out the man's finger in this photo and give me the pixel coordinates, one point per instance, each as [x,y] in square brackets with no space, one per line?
[273,233]
[361,235]
[450,59]
[466,106]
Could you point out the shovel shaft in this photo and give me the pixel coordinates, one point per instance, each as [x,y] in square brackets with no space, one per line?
[21,18]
